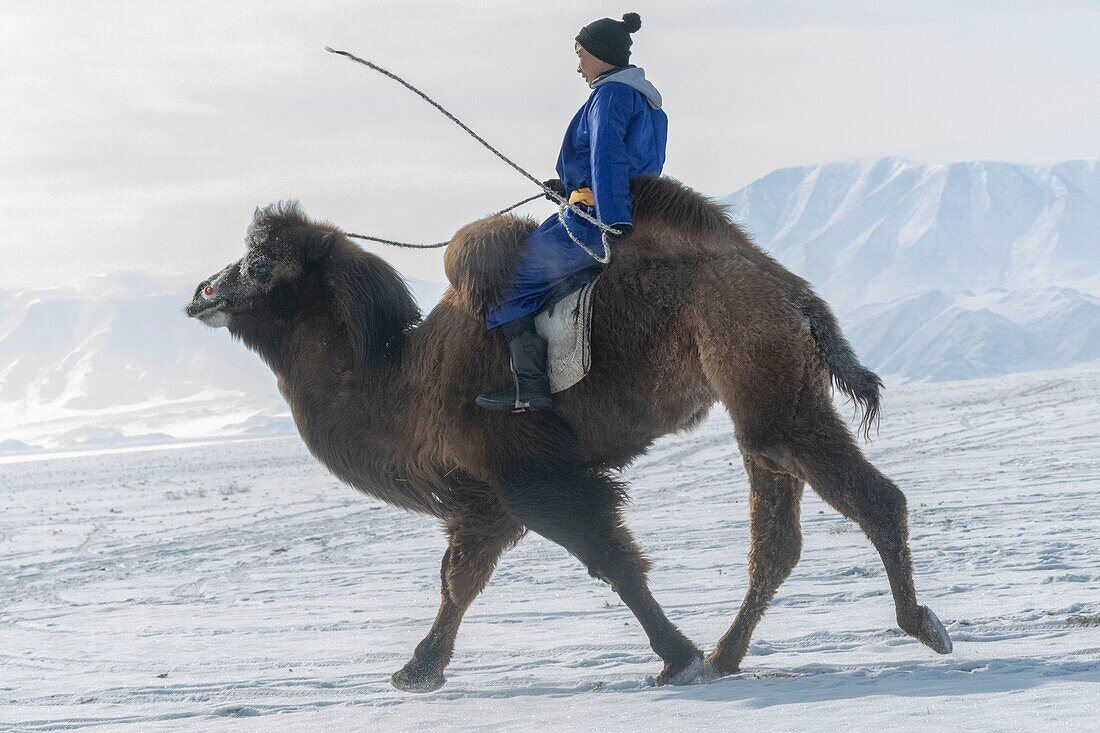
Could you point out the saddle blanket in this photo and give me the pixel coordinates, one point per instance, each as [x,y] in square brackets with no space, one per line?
[567,328]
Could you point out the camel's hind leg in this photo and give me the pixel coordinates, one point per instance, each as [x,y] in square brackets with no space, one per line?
[776,391]
[825,454]
[776,545]
[476,541]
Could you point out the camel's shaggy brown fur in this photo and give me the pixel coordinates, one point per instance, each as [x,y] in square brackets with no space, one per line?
[689,313]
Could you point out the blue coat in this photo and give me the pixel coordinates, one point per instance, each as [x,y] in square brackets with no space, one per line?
[619,133]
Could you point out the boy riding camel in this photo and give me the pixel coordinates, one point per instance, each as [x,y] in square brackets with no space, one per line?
[618,133]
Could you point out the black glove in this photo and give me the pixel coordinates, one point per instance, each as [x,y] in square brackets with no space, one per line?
[555,185]
[626,229]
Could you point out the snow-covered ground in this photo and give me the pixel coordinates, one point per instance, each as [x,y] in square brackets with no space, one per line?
[172,587]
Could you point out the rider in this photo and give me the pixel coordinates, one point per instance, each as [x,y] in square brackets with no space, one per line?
[617,134]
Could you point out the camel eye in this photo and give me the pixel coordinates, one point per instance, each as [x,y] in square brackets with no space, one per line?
[208,290]
[260,269]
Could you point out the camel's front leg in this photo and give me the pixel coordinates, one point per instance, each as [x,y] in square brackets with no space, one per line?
[476,543]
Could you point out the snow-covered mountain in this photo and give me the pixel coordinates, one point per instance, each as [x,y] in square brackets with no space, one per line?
[950,271]
[939,336]
[874,231]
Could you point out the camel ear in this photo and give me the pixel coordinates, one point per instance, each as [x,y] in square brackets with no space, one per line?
[319,245]
[374,303]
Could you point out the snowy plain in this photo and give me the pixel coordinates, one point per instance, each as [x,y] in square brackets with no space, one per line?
[178,587]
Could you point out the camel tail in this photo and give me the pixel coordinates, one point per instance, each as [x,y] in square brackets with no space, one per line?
[858,382]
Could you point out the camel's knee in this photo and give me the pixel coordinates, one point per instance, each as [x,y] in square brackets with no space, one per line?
[893,499]
[781,555]
[888,506]
[776,534]
[466,571]
[877,505]
[618,561]
[776,550]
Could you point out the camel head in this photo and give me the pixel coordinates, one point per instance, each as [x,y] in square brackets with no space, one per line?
[291,262]
[280,245]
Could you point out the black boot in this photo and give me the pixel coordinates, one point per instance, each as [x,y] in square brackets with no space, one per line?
[532,387]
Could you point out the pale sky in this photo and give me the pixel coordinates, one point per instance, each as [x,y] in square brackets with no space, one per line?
[141,135]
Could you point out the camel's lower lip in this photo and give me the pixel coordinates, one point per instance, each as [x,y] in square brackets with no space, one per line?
[203,307]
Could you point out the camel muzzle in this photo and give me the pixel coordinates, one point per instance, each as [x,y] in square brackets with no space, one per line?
[204,302]
[207,303]
[207,307]
[213,294]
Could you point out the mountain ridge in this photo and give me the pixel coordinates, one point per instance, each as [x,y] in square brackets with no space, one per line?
[874,230]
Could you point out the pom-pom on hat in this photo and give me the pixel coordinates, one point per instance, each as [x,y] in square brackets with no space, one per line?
[609,40]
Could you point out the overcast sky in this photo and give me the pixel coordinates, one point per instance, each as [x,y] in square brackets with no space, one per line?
[141,135]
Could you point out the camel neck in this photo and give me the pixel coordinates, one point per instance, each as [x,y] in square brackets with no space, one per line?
[317,373]
[354,423]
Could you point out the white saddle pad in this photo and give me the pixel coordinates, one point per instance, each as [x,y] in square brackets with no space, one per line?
[567,328]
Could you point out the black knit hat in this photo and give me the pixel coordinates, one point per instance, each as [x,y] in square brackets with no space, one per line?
[609,40]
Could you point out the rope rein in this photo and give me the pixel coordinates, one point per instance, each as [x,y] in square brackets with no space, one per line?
[437,245]
[562,202]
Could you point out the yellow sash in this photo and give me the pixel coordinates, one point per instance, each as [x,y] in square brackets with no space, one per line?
[582,196]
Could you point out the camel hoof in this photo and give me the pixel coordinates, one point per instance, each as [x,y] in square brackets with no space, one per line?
[408,680]
[932,633]
[715,669]
[709,673]
[696,671]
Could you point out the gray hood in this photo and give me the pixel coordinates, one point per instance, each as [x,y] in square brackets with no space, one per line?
[633,77]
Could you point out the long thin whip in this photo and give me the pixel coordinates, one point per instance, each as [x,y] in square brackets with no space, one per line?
[550,193]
